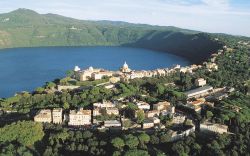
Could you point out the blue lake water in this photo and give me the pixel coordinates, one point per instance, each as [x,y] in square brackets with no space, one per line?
[24,69]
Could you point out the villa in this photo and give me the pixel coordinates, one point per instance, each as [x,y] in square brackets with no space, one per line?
[43,115]
[80,117]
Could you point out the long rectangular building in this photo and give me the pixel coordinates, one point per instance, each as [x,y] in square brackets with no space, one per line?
[199,92]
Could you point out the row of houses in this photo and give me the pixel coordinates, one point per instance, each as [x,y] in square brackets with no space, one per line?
[125,73]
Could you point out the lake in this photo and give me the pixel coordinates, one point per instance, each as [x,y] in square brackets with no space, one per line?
[24,69]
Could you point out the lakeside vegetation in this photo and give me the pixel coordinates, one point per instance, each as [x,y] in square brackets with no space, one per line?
[57,140]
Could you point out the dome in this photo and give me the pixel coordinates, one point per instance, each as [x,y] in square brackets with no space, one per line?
[91,68]
[125,68]
[125,65]
[76,69]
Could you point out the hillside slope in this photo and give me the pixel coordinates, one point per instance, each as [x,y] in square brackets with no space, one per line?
[26,28]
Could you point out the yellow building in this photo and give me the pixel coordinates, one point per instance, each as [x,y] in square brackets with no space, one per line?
[86,74]
[161,106]
[152,113]
[43,115]
[99,75]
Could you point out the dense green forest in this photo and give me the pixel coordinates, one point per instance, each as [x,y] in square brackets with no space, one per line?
[26,28]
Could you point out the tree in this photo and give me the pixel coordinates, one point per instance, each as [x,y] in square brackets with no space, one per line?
[140,116]
[87,134]
[136,152]
[154,139]
[14,149]
[179,149]
[160,89]
[40,90]
[209,114]
[116,153]
[69,73]
[66,105]
[118,143]
[127,123]
[50,85]
[165,138]
[144,138]
[131,141]
[25,132]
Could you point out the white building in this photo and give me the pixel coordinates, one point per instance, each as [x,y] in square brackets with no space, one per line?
[112,123]
[200,82]
[217,128]
[148,124]
[176,136]
[199,92]
[104,104]
[155,120]
[80,117]
[143,105]
[57,115]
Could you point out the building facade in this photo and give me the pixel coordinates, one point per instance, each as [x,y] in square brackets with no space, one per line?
[57,115]
[80,117]
[43,115]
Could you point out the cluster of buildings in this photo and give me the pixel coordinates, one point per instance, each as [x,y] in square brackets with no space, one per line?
[199,97]
[195,101]
[46,115]
[126,74]
[83,117]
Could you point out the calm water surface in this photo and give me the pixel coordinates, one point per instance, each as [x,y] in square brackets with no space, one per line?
[24,69]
